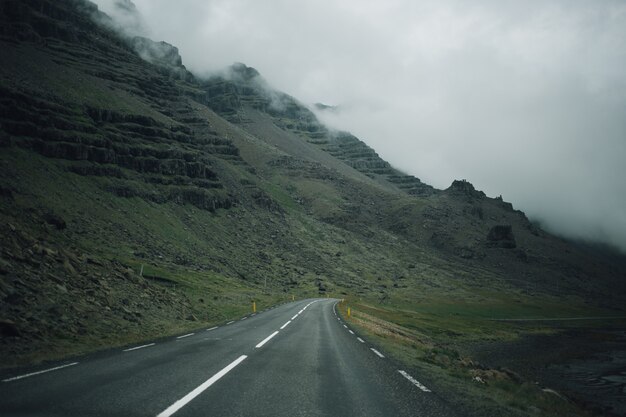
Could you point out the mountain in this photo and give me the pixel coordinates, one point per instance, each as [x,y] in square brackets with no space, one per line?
[138,200]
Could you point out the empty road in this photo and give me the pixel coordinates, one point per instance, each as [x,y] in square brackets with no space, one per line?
[298,359]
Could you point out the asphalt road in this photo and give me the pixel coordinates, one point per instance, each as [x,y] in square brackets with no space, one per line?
[257,366]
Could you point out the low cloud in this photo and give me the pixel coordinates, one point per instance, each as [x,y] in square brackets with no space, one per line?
[524,99]
[125,18]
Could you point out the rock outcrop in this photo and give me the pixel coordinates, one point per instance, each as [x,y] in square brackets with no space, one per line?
[501,236]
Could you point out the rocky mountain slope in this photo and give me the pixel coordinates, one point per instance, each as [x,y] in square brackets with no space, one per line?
[138,200]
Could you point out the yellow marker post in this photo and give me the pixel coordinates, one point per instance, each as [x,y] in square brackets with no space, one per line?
[348,311]
[293,298]
[254,306]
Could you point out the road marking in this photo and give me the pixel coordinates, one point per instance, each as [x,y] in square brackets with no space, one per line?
[415,381]
[285,325]
[243,318]
[253,314]
[267,339]
[360,340]
[15,378]
[294,317]
[185,335]
[378,353]
[351,332]
[300,312]
[206,384]
[230,322]
[212,328]
[139,347]
[345,326]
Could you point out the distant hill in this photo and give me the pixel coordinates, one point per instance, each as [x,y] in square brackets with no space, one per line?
[138,199]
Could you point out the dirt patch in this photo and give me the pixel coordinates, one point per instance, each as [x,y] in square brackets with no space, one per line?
[388,329]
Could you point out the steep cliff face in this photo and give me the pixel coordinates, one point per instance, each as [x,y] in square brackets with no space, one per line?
[243,87]
[137,199]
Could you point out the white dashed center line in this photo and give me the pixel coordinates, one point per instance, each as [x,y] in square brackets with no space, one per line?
[267,339]
[193,394]
[360,340]
[294,317]
[285,325]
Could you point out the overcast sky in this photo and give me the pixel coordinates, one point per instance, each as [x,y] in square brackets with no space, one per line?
[522,98]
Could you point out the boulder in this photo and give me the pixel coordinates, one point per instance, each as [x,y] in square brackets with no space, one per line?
[8,328]
[501,236]
[55,220]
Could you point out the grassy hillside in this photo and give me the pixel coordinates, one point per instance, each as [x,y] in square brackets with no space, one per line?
[137,201]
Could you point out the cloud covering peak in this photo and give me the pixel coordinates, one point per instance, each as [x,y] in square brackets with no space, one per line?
[523,98]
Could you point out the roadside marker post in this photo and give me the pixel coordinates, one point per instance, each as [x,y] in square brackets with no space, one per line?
[349,312]
[254,306]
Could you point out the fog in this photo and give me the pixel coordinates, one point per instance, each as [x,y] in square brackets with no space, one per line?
[525,99]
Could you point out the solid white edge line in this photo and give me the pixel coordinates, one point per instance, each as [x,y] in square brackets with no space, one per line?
[414,381]
[139,347]
[206,384]
[285,325]
[212,328]
[185,335]
[15,378]
[244,318]
[360,340]
[294,317]
[232,321]
[267,339]
[378,353]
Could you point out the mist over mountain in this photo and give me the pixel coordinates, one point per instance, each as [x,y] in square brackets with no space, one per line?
[147,197]
[523,99]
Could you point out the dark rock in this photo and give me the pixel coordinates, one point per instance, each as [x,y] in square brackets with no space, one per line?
[464,187]
[504,204]
[474,210]
[501,236]
[55,220]
[8,328]
[6,193]
[440,239]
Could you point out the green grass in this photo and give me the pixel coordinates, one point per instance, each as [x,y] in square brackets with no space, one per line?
[430,337]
